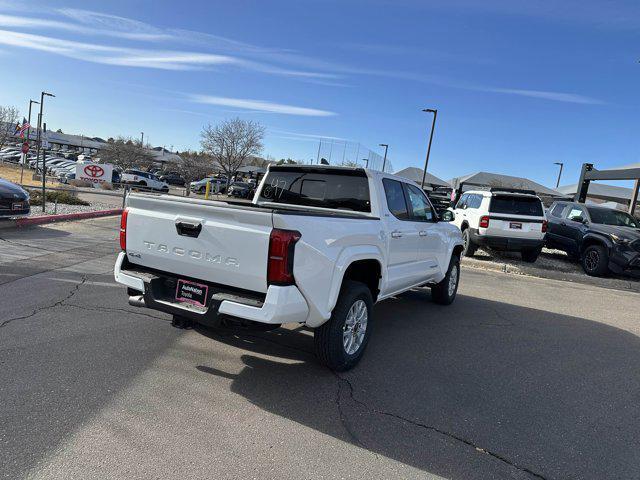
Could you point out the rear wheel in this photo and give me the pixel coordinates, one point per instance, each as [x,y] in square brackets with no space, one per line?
[341,341]
[445,292]
[469,248]
[595,261]
[530,255]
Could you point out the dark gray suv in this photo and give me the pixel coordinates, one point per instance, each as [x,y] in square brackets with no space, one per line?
[602,239]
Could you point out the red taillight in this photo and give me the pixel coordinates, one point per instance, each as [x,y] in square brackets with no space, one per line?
[484,222]
[544,226]
[123,229]
[281,249]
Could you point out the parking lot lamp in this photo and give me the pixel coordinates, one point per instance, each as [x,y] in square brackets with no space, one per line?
[559,173]
[433,127]
[384,162]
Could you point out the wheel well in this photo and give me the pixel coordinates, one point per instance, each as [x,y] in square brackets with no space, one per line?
[587,242]
[464,226]
[367,272]
[457,250]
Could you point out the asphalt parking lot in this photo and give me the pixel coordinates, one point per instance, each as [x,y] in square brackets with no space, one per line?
[520,378]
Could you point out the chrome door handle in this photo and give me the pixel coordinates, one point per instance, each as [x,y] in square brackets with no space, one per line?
[396,234]
[423,233]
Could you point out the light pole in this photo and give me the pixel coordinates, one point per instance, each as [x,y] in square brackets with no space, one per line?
[31,102]
[142,139]
[559,173]
[384,162]
[366,160]
[433,127]
[39,136]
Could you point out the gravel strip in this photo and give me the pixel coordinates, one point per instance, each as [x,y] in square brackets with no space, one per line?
[552,264]
[61,209]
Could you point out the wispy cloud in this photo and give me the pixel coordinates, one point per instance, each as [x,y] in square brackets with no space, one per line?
[260,106]
[304,136]
[108,55]
[553,96]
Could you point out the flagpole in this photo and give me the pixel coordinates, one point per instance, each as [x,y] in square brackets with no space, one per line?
[24,160]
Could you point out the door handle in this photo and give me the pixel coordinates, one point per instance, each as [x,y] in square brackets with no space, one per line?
[423,233]
[188,229]
[396,234]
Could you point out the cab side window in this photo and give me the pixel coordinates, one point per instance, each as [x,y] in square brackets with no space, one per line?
[395,199]
[419,204]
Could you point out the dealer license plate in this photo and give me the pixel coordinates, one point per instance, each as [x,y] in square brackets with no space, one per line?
[515,225]
[191,292]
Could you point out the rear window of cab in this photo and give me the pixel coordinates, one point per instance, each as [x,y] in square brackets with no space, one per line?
[516,205]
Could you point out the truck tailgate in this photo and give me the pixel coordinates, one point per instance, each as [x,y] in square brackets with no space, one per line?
[210,241]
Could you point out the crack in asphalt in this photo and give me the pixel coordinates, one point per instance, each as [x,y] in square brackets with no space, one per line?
[109,310]
[453,436]
[354,437]
[35,311]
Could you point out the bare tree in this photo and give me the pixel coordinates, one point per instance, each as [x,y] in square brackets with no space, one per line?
[232,142]
[126,153]
[8,120]
[194,166]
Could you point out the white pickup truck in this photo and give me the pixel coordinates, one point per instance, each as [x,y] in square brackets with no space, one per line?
[317,246]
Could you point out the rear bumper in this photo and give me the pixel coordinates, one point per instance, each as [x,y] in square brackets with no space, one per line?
[279,305]
[506,243]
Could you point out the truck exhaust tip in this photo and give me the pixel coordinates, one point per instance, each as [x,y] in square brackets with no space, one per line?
[136,301]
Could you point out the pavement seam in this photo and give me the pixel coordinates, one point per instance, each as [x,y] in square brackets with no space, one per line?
[73,291]
[453,436]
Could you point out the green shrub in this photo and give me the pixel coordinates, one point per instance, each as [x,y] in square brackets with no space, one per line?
[66,198]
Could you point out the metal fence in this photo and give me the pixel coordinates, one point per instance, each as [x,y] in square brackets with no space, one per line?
[344,152]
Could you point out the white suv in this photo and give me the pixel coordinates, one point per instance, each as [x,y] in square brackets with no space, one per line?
[502,219]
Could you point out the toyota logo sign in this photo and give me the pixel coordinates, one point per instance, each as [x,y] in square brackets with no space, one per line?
[94,171]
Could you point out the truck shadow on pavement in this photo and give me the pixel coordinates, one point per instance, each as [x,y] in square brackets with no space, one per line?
[480,389]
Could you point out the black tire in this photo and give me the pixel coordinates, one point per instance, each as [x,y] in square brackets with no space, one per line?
[440,292]
[469,248]
[530,255]
[595,261]
[328,338]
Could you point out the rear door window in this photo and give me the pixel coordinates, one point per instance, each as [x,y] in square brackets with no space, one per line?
[516,205]
[395,199]
[318,187]
[420,208]
[557,210]
[463,200]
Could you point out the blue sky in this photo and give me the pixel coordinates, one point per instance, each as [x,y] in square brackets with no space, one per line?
[518,84]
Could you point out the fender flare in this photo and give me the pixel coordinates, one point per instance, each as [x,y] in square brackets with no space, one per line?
[598,238]
[348,256]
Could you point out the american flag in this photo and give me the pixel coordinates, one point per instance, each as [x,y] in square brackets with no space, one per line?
[20,129]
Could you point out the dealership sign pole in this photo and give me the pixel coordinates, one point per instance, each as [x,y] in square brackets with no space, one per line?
[45,145]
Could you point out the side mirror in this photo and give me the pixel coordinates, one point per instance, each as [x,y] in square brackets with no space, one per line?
[579,219]
[447,216]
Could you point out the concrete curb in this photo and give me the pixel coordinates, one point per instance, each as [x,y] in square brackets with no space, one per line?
[28,221]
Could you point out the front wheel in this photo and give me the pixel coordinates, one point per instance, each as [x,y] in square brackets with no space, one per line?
[445,292]
[595,261]
[341,341]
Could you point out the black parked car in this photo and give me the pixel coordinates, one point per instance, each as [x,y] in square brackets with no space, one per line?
[602,239]
[173,178]
[14,200]
[241,189]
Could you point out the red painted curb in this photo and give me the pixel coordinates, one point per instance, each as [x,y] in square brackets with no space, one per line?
[22,222]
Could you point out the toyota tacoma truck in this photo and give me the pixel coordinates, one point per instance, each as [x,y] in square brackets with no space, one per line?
[318,245]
